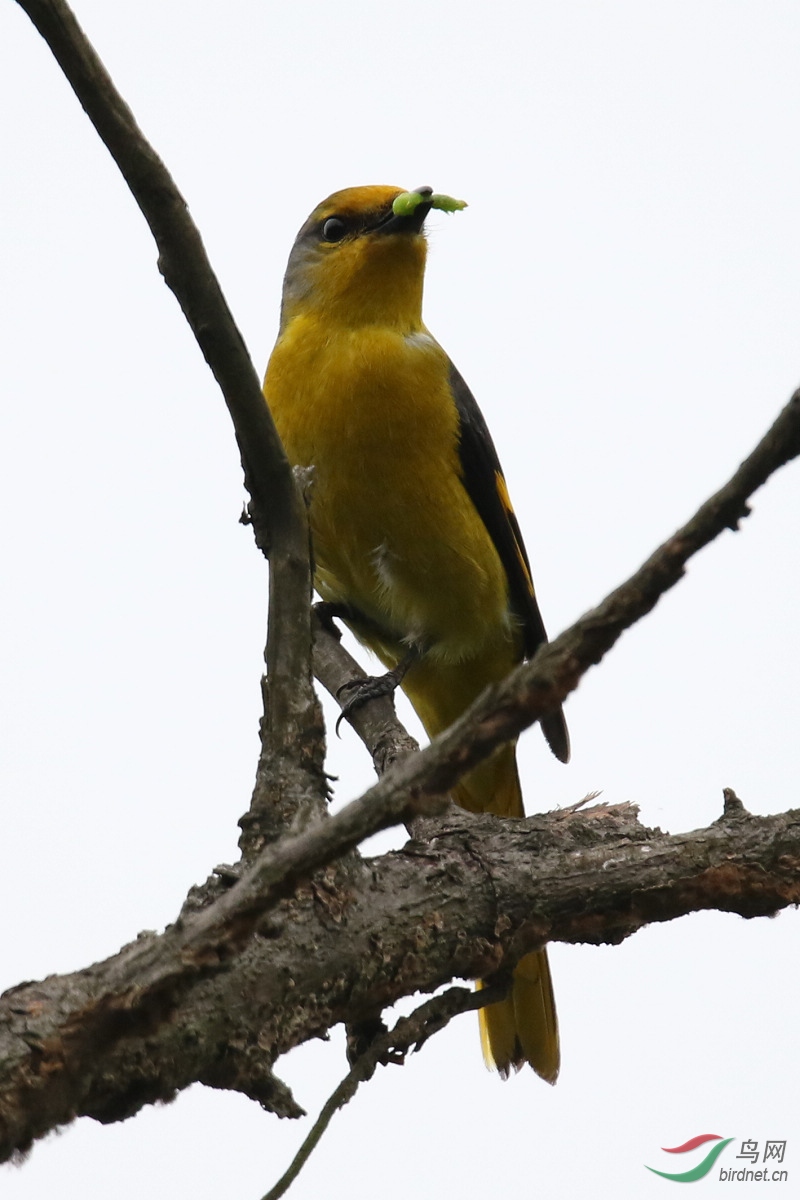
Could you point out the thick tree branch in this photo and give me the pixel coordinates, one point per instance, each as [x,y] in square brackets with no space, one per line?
[466,900]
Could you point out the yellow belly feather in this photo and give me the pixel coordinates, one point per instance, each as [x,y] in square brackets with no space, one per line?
[394,531]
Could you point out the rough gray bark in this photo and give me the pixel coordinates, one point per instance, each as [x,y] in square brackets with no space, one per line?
[466,897]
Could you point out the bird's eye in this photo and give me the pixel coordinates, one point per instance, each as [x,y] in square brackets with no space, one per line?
[334,229]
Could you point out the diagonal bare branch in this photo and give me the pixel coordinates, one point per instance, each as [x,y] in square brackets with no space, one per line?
[539,686]
[375,723]
[289,780]
[182,261]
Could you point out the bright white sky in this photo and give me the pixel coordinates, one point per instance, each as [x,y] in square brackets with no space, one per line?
[622,295]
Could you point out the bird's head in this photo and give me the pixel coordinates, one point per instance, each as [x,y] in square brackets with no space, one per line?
[360,259]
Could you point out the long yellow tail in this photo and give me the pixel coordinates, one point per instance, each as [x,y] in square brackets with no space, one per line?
[523,1027]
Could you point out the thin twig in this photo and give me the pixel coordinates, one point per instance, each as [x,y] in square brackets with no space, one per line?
[376,721]
[414,1031]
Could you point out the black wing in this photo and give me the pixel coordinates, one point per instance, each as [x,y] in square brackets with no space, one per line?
[483,478]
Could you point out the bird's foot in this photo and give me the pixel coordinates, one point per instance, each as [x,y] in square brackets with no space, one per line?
[328,611]
[372,687]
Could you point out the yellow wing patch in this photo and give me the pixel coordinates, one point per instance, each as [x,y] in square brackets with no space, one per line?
[505,500]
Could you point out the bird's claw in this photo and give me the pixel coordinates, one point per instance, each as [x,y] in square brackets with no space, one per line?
[371,687]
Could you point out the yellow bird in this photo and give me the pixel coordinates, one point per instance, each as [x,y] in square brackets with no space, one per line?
[415,541]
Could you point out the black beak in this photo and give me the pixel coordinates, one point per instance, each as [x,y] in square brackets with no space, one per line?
[395,223]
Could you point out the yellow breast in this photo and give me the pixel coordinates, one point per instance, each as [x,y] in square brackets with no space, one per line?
[394,531]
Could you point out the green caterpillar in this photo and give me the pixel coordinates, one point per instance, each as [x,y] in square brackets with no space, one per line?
[405,204]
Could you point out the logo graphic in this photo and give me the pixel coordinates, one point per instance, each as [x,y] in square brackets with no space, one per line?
[703,1167]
